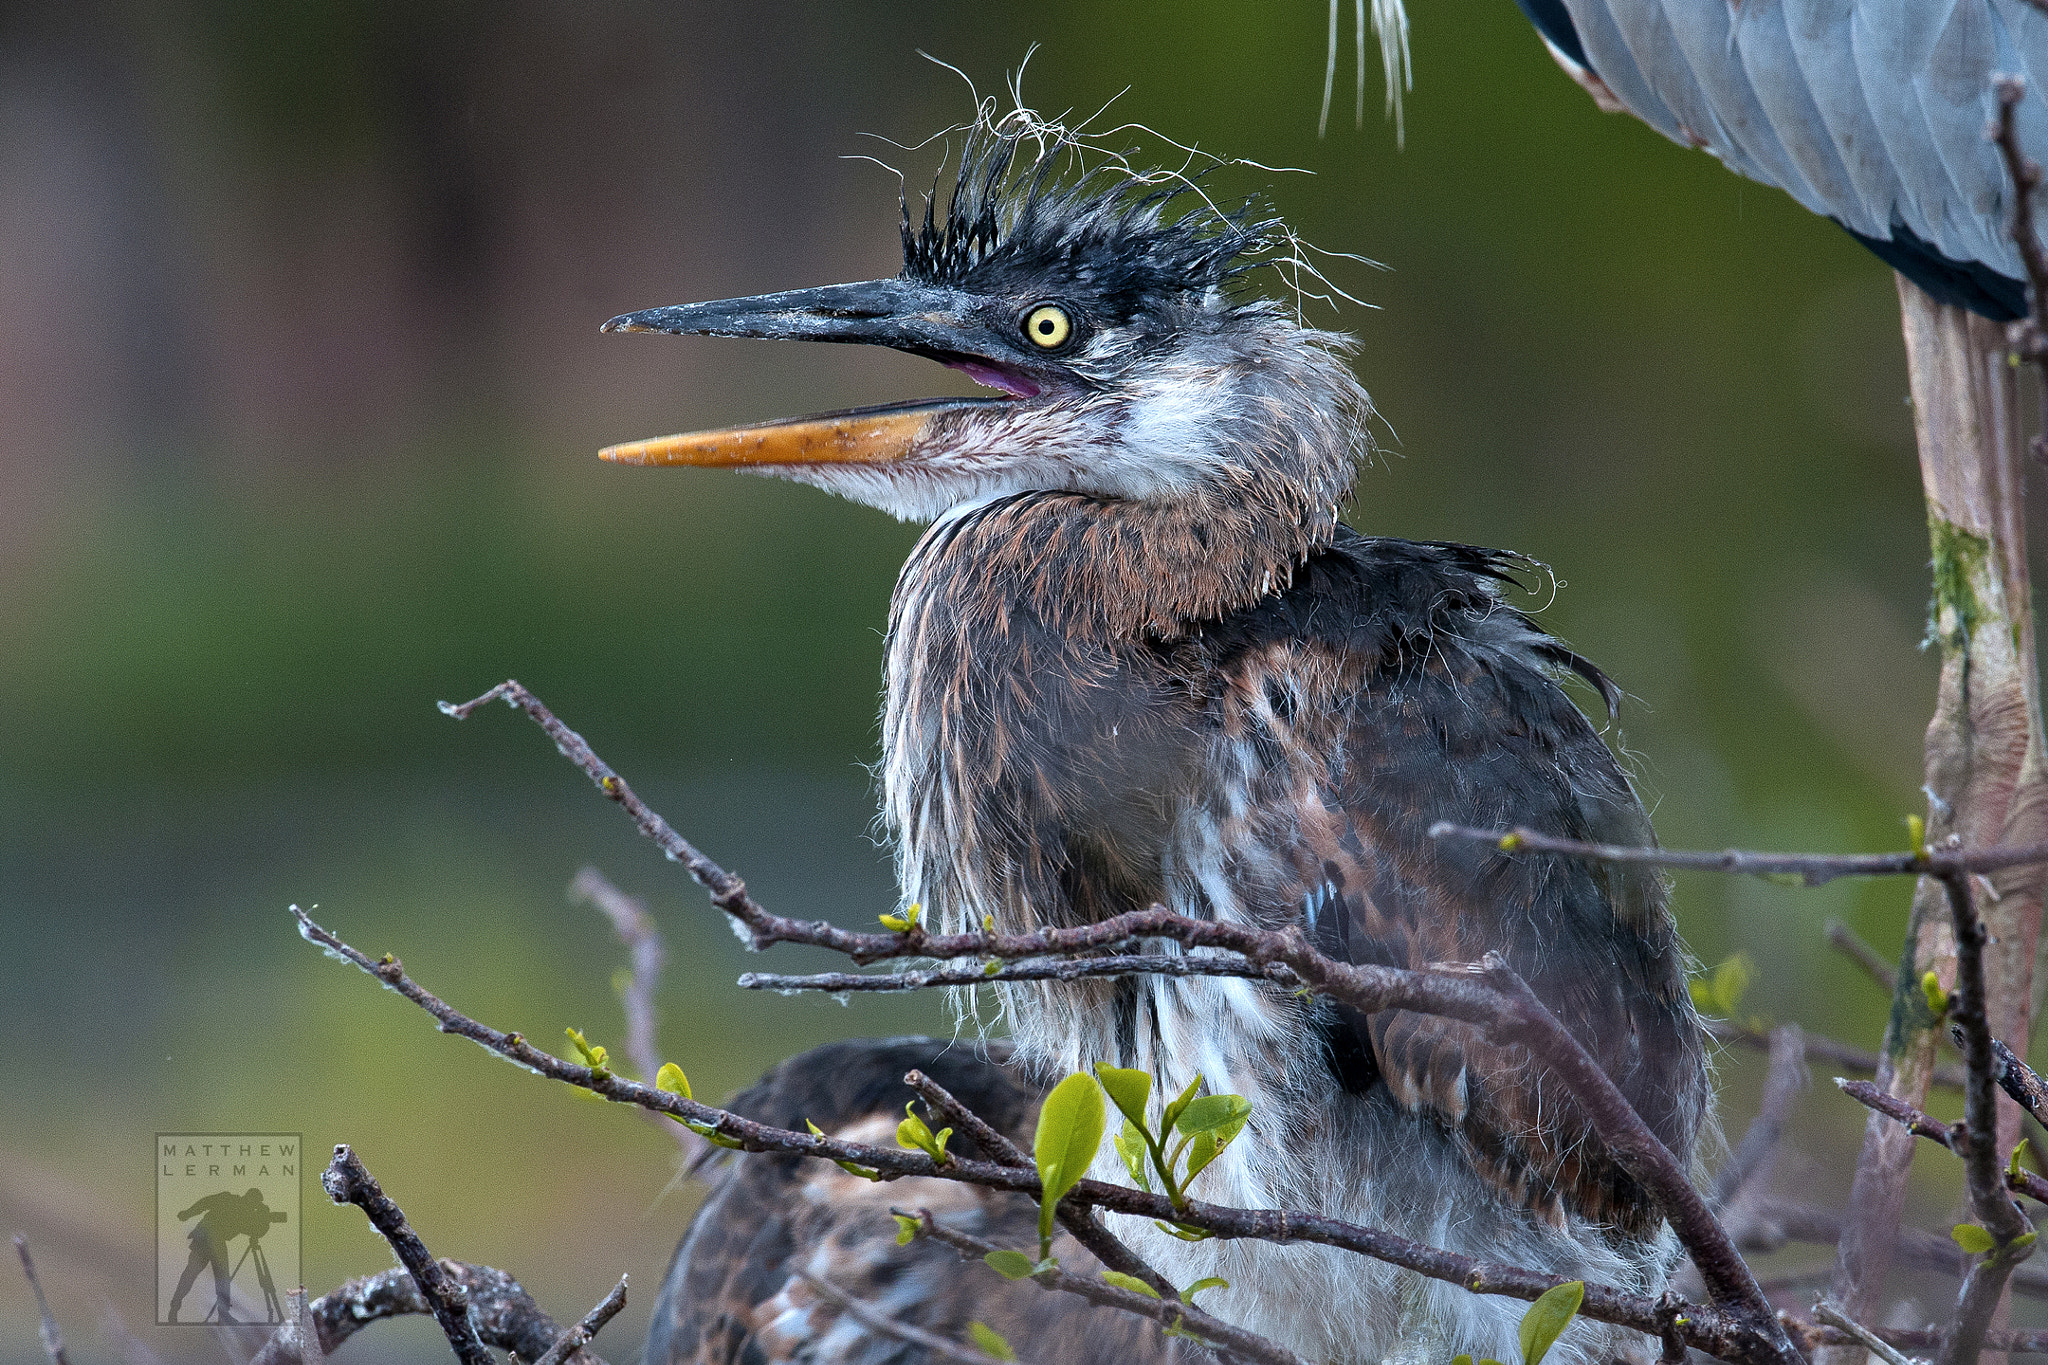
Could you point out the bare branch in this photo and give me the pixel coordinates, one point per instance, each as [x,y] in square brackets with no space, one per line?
[1995,1210]
[504,1313]
[2029,335]
[53,1338]
[1955,1136]
[348,1181]
[2018,1079]
[574,1340]
[880,1323]
[1885,973]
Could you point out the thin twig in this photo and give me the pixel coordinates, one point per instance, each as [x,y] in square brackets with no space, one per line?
[1766,1224]
[637,930]
[1835,1317]
[1710,1329]
[1954,1136]
[587,1327]
[880,1323]
[348,1181]
[1786,1079]
[1167,1312]
[1810,869]
[648,954]
[1884,972]
[1820,1048]
[1044,969]
[943,1105]
[1103,1244]
[53,1337]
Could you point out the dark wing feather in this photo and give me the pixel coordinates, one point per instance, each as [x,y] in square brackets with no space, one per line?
[1394,682]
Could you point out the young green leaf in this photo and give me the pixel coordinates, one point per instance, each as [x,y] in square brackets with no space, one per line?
[1174,1107]
[1937,997]
[1548,1317]
[593,1055]
[1210,1112]
[1011,1265]
[1130,1282]
[672,1079]
[990,1341]
[1070,1125]
[849,1167]
[718,1139]
[1206,1282]
[907,1228]
[1972,1238]
[1461,1360]
[1183,1231]
[1130,1145]
[915,1134]
[1129,1090]
[1731,982]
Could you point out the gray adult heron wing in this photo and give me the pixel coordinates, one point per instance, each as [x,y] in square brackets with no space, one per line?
[1869,112]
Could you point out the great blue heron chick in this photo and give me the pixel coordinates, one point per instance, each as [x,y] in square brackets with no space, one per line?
[1138,659]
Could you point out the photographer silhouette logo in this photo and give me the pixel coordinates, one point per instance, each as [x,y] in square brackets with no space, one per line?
[227,1226]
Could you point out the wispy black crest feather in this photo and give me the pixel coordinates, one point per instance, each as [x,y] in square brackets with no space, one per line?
[1013,222]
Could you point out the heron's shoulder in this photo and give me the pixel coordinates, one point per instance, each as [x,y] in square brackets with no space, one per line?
[1388,603]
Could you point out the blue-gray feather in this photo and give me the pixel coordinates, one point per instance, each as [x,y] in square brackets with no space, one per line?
[1869,112]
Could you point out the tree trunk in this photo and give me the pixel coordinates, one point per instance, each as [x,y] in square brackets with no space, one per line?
[1984,764]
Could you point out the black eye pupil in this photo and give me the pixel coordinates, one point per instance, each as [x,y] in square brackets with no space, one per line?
[1045,325]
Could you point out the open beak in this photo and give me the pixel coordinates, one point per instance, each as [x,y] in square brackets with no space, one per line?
[918,318]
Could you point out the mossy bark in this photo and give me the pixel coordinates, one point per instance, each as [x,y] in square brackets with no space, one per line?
[1984,764]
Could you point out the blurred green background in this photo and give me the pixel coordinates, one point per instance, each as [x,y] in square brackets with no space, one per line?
[300,387]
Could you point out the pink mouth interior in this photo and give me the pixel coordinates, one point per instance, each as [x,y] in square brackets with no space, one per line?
[1016,385]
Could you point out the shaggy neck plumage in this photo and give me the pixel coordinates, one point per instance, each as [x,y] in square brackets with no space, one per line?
[1199,492]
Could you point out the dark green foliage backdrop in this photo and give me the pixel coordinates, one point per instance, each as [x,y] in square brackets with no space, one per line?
[300,385]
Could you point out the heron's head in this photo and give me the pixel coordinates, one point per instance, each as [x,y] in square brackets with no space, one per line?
[1111,316]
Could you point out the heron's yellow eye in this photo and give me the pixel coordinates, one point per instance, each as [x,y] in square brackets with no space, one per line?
[1048,326]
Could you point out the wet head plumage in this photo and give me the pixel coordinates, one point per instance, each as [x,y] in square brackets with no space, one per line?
[1138,660]
[1122,241]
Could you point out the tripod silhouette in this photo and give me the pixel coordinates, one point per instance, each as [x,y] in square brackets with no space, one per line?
[222,1218]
